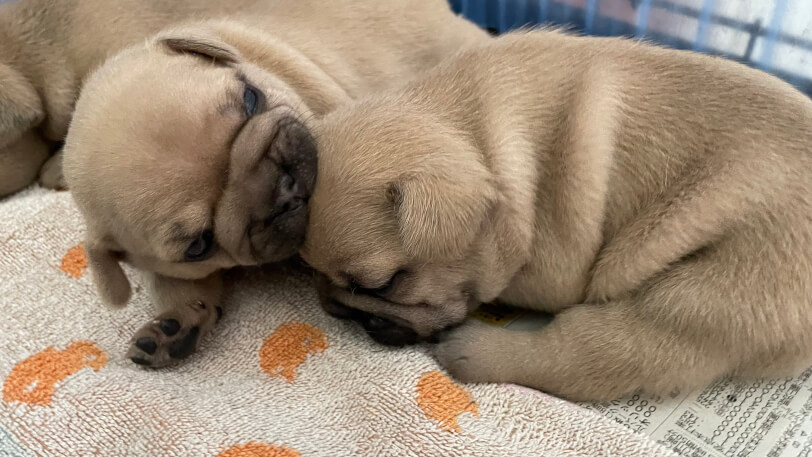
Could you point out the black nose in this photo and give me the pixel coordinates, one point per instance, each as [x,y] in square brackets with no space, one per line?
[387,332]
[380,329]
[291,194]
[295,151]
[339,311]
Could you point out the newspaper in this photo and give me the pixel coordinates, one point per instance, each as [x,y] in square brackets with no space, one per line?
[728,418]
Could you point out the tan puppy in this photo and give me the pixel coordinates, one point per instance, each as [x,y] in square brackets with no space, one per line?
[49,46]
[658,201]
[192,153]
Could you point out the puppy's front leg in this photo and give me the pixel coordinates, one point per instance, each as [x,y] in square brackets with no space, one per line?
[51,176]
[188,311]
[589,352]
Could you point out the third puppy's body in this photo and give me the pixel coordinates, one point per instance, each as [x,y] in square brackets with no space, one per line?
[660,202]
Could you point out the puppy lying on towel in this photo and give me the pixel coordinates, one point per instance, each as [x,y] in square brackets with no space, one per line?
[192,153]
[658,201]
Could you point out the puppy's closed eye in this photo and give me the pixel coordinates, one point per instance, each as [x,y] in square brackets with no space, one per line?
[202,247]
[356,287]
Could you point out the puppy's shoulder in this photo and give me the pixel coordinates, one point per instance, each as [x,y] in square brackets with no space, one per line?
[543,49]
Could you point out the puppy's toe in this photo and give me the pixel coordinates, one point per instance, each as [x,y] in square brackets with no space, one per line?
[50,176]
[466,352]
[172,336]
[162,342]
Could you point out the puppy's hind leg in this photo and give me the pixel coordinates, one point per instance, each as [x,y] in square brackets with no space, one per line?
[189,311]
[587,353]
[716,313]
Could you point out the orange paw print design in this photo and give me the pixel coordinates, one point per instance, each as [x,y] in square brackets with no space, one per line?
[258,450]
[288,347]
[75,262]
[443,400]
[34,380]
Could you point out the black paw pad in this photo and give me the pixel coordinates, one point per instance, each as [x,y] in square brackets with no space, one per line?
[147,345]
[140,361]
[170,326]
[185,346]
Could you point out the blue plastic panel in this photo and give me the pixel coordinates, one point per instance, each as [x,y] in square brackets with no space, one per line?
[774,35]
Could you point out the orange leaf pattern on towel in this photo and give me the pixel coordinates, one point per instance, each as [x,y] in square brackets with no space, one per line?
[34,380]
[288,347]
[258,450]
[443,400]
[75,262]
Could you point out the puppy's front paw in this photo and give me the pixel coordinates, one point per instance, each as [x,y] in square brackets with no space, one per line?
[173,335]
[470,353]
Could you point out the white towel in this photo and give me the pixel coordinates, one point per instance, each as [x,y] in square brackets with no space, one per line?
[276,378]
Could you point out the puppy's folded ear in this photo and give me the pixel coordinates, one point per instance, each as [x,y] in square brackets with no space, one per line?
[201,42]
[20,105]
[111,282]
[441,209]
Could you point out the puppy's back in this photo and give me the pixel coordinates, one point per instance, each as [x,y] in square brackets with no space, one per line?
[663,112]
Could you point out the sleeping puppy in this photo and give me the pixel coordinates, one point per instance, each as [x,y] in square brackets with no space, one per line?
[657,201]
[192,153]
[49,46]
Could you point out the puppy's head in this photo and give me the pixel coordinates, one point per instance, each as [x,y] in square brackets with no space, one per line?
[185,159]
[399,221]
